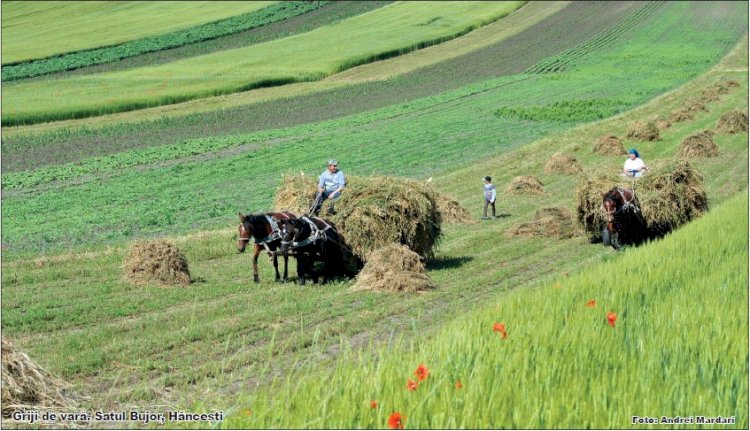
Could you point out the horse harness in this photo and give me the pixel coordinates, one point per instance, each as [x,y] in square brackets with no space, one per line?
[626,205]
[273,236]
[316,233]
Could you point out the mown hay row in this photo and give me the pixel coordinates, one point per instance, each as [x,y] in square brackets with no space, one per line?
[562,163]
[525,185]
[554,222]
[393,268]
[669,195]
[25,385]
[609,145]
[644,131]
[157,262]
[734,121]
[699,144]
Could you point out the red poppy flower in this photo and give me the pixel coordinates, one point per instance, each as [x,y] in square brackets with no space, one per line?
[395,421]
[591,303]
[373,404]
[500,327]
[411,385]
[458,384]
[422,372]
[611,319]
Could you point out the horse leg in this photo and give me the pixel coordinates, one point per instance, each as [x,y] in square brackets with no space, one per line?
[301,268]
[286,267]
[276,267]
[256,253]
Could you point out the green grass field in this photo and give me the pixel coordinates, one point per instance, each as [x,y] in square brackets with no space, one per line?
[305,57]
[42,30]
[273,355]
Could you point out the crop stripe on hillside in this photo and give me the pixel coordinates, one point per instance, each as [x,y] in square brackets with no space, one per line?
[78,59]
[607,37]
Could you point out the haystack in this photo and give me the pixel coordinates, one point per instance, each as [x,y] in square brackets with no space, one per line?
[373,212]
[709,95]
[644,131]
[548,222]
[661,123]
[393,268]
[609,145]
[695,105]
[156,262]
[681,115]
[734,121]
[669,196]
[450,211]
[724,87]
[562,163]
[25,385]
[525,185]
[700,144]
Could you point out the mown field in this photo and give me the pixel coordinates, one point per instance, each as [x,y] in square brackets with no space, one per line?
[74,197]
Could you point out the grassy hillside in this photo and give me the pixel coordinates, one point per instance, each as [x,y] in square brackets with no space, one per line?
[34,30]
[677,347]
[305,57]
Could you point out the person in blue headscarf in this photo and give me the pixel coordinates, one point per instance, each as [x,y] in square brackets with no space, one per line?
[634,166]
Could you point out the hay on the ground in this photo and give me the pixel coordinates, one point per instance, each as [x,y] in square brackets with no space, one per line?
[157,262]
[27,386]
[554,222]
[393,268]
[450,211]
[644,131]
[525,185]
[669,196]
[709,95]
[724,87]
[695,105]
[734,121]
[699,144]
[681,115]
[609,145]
[373,212]
[562,163]
[661,123]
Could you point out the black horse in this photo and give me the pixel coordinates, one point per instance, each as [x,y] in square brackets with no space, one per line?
[264,230]
[625,222]
[312,239]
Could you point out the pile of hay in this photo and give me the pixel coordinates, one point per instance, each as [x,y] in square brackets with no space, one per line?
[695,105]
[525,185]
[155,262]
[709,95]
[547,222]
[562,163]
[373,212]
[734,121]
[669,196]
[681,115]
[700,144]
[450,211]
[661,122]
[393,268]
[25,385]
[644,131]
[725,86]
[609,145]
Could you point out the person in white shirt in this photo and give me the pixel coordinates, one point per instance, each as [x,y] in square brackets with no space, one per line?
[490,195]
[634,166]
[330,185]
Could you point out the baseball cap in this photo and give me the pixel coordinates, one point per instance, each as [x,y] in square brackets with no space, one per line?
[333,162]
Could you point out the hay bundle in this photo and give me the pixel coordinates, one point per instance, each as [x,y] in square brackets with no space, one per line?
[450,211]
[525,185]
[661,122]
[156,262]
[609,145]
[548,222]
[669,196]
[681,115]
[644,131]
[393,268]
[695,105]
[709,95]
[700,144]
[25,385]
[562,163]
[734,121]
[373,211]
[725,86]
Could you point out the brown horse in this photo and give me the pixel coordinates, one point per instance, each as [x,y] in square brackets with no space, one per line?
[264,229]
[313,239]
[625,222]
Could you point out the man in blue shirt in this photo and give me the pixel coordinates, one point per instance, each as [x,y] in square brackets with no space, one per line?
[332,182]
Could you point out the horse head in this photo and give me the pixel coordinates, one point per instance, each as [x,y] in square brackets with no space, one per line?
[293,230]
[245,231]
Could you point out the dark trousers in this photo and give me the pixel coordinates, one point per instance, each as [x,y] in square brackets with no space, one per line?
[486,204]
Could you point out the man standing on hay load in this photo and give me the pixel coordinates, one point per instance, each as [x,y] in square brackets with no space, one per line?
[634,166]
[332,182]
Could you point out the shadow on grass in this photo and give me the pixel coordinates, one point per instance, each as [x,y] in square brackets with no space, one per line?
[447,262]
